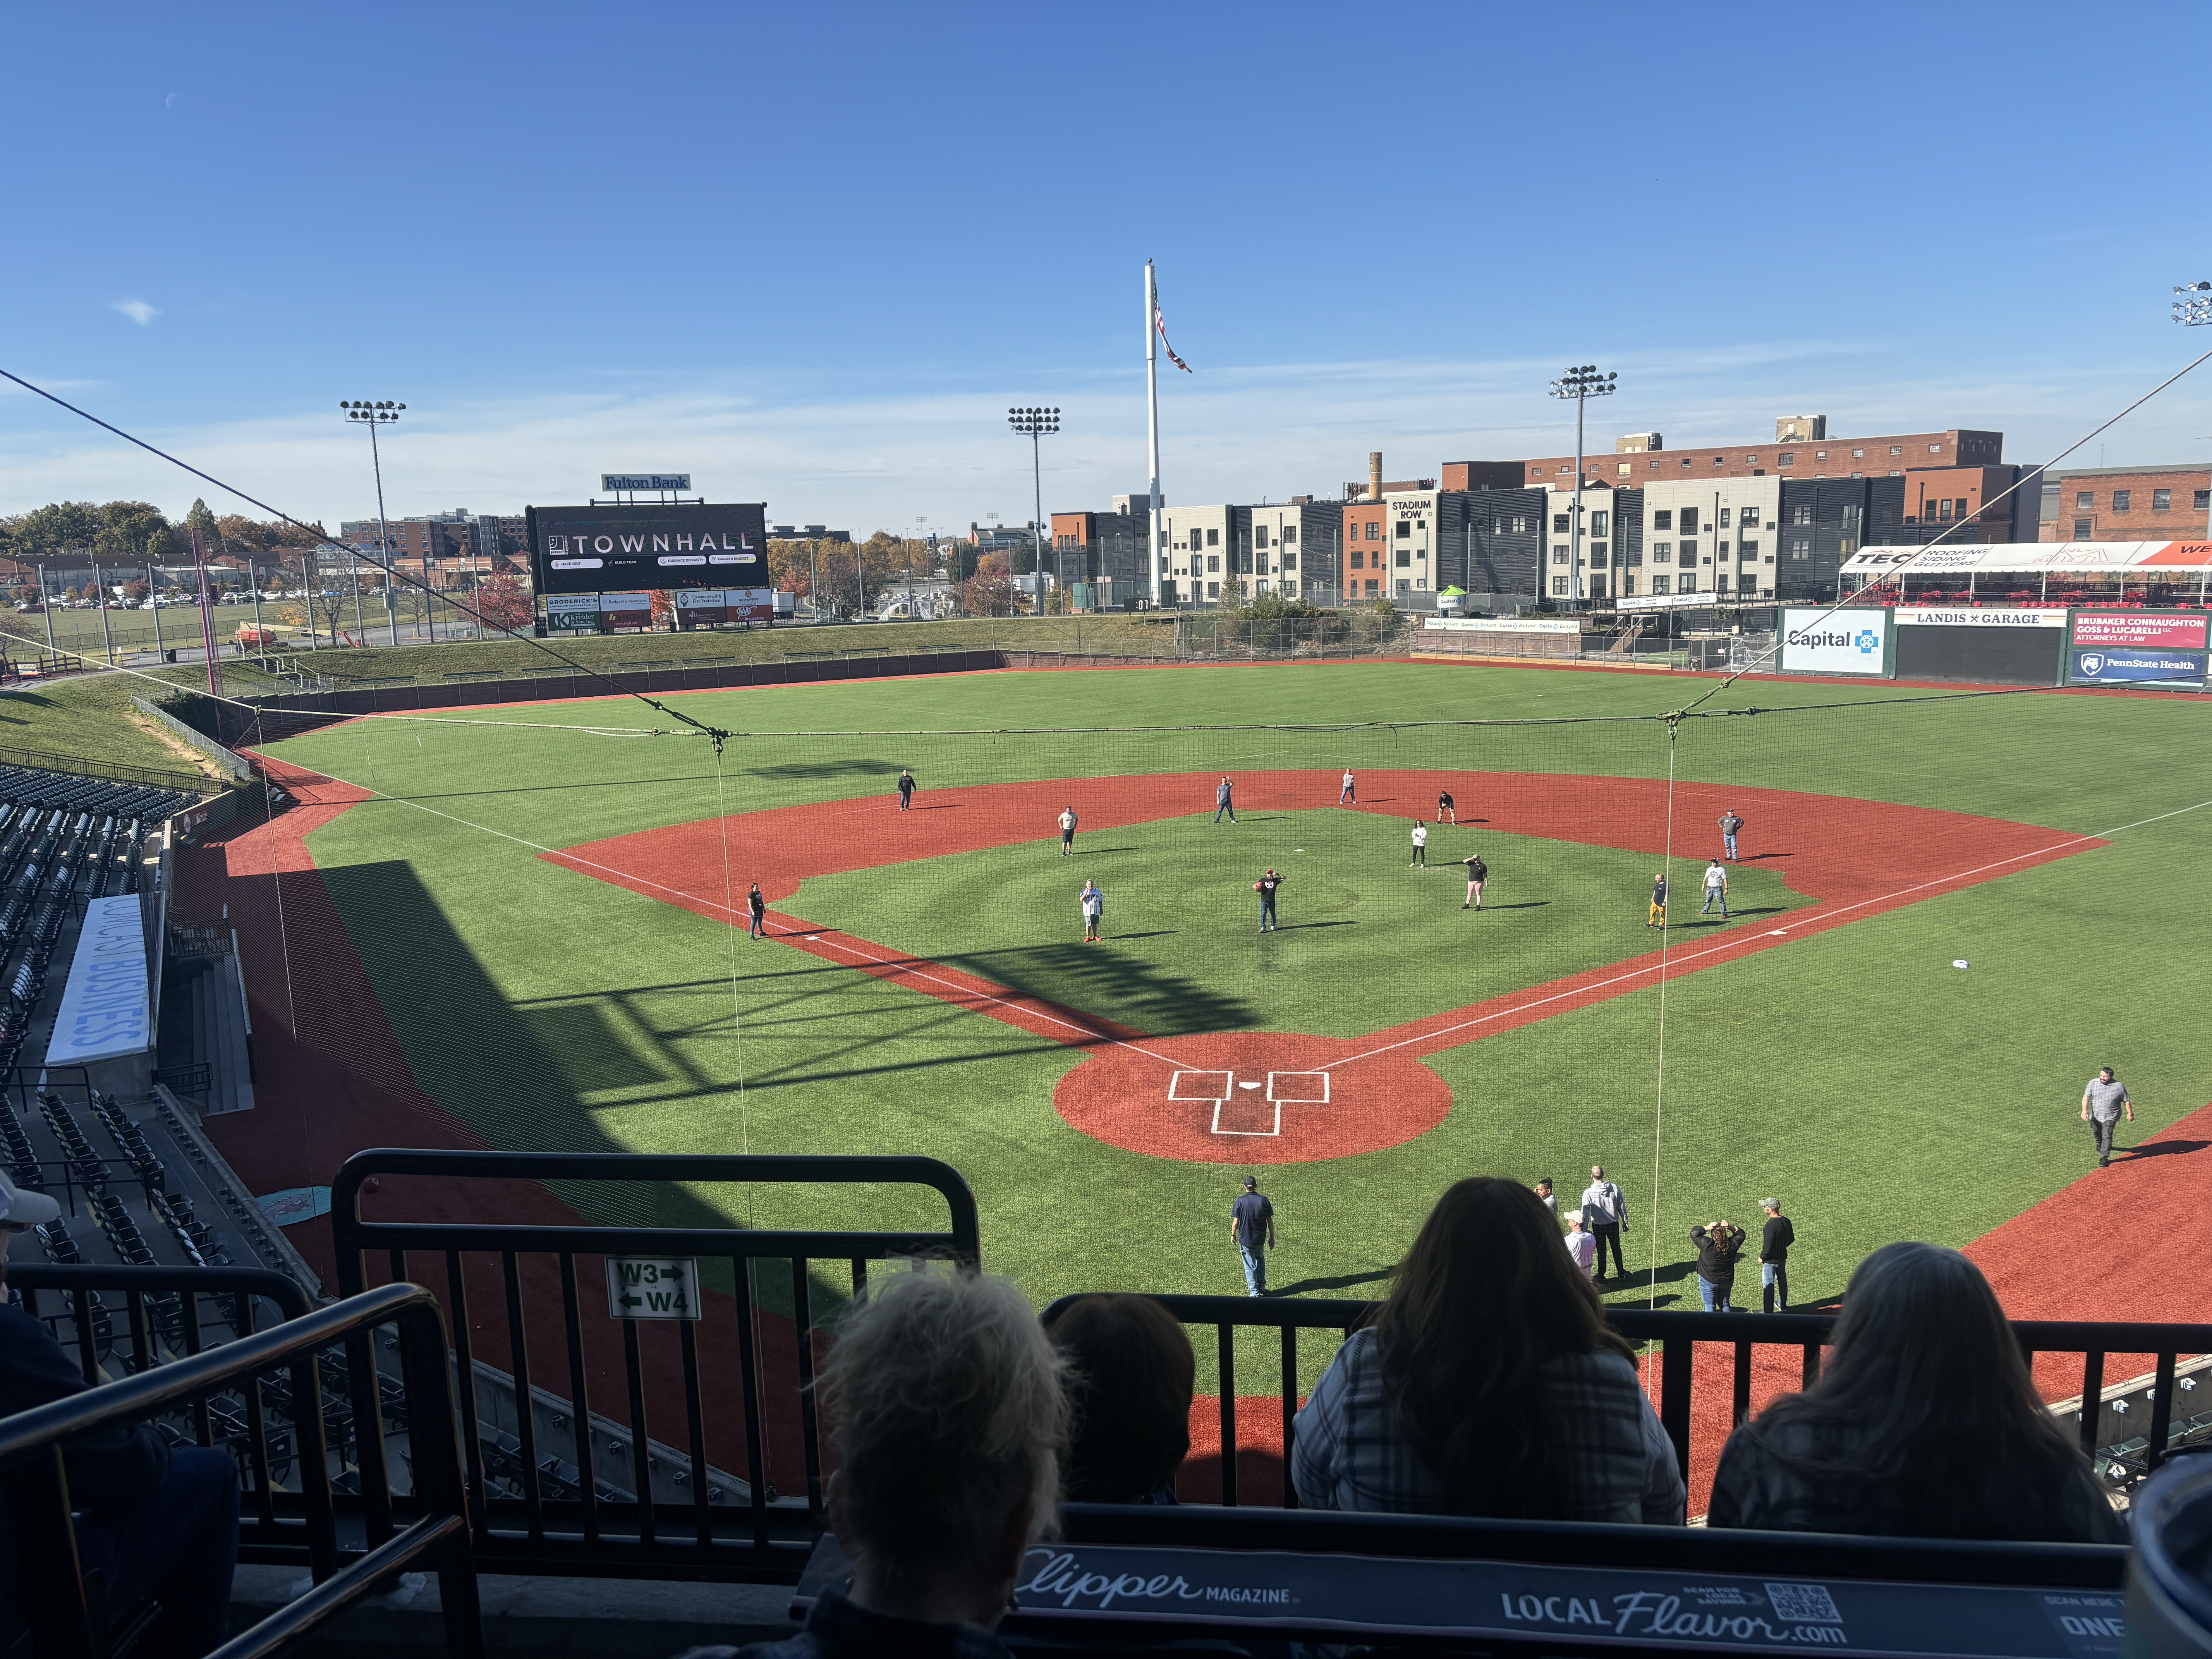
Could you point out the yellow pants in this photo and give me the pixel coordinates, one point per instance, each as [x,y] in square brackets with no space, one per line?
[1658,916]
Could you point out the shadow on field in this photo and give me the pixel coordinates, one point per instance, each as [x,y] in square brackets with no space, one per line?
[1343,1282]
[1131,992]
[2159,1149]
[888,770]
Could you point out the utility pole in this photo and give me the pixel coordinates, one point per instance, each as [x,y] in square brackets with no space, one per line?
[1580,384]
[153,598]
[207,617]
[106,634]
[1152,417]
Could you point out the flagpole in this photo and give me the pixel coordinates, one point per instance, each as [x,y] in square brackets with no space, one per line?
[1152,420]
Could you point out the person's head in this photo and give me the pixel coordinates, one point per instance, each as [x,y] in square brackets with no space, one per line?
[1543,1186]
[1597,1172]
[1130,1375]
[1574,1221]
[946,1404]
[20,1212]
[2104,1073]
[1481,1303]
[1949,1435]
[1771,1206]
[1251,1183]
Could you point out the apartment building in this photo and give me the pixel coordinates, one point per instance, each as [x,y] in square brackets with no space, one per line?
[1643,457]
[2123,504]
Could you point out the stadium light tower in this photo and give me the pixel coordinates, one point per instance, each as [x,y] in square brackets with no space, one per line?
[371,416]
[1035,424]
[1581,383]
[2194,308]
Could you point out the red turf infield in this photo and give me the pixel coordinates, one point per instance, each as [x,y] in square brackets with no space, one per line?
[333,1078]
[1183,1097]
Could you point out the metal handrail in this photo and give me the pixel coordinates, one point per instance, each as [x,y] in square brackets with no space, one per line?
[1677,1335]
[36,1482]
[604,1530]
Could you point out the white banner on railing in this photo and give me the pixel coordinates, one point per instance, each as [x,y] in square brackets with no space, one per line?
[105,1010]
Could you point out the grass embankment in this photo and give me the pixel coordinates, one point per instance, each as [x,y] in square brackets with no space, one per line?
[1137,635]
[90,719]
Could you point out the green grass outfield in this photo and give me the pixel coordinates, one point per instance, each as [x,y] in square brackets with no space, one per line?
[1881,1092]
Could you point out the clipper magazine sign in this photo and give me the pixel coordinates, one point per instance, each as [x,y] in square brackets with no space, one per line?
[600,549]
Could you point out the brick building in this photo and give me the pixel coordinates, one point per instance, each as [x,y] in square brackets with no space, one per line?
[447,544]
[1647,462]
[2123,504]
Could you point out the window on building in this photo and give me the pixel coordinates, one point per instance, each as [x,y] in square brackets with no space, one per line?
[1897,449]
[1685,460]
[1600,523]
[2200,500]
[1935,449]
[1858,454]
[1785,460]
[2122,499]
[1820,454]
[1404,558]
[1800,547]
[1290,562]
[2083,529]
[1662,518]
[1801,513]
[1662,552]
[1689,525]
[1888,513]
[1259,535]
[1559,587]
[1558,552]
[1746,550]
[1662,584]
[1632,556]
[2084,500]
[1371,585]
[1535,471]
[1724,517]
[1521,522]
[1374,530]
[1942,512]
[1559,522]
[1213,589]
[1405,586]
[1213,562]
[1405,529]
[1625,468]
[1686,553]
[1358,560]
[2161,500]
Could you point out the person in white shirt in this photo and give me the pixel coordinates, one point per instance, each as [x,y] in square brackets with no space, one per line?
[1715,889]
[1580,1244]
[1094,907]
[1347,795]
[1067,832]
[1605,1213]
[1420,845]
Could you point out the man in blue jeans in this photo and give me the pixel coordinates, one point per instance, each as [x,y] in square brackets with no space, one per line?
[153,1522]
[1252,1225]
[1224,800]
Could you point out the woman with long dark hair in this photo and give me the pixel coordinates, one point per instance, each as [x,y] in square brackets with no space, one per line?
[1925,1423]
[1489,1384]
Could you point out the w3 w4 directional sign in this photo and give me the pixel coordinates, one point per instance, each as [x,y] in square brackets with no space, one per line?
[652,1287]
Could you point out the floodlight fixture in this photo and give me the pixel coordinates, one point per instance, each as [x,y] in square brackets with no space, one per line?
[2194,308]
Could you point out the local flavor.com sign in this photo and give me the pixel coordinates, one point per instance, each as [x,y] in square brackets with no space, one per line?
[1849,640]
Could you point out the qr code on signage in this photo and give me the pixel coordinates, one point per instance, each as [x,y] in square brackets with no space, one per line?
[1806,1603]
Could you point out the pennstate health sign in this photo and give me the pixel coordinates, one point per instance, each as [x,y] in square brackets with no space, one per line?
[1847,640]
[605,550]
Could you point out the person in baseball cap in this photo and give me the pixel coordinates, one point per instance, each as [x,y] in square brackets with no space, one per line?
[20,1210]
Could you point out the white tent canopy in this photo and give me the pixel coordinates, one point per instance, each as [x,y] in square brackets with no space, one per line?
[2146,560]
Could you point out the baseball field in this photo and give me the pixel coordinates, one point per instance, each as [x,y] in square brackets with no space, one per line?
[1948,910]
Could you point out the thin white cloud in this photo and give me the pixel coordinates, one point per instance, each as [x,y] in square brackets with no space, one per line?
[137,311]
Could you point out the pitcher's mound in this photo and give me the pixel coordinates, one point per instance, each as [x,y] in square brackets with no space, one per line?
[1251,1098]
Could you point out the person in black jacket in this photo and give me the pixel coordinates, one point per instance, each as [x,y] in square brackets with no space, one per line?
[1719,1245]
[155,1523]
[1774,1244]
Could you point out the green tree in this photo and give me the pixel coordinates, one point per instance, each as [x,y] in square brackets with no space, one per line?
[133,533]
[45,531]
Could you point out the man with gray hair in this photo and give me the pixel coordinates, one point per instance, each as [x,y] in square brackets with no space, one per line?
[949,1412]
[1774,1243]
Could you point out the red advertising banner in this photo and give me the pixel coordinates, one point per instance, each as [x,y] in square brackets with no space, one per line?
[2139,627]
[749,603]
[701,607]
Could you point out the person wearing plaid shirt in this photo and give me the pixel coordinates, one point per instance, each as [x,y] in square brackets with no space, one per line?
[1515,1398]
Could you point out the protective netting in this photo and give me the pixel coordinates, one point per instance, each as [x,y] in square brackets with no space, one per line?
[532,932]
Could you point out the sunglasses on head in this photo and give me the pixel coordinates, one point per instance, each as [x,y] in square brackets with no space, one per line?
[15,1226]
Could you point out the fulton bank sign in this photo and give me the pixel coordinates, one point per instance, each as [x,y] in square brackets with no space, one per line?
[615,550]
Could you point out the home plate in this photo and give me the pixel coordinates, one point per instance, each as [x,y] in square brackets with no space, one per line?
[1251,1098]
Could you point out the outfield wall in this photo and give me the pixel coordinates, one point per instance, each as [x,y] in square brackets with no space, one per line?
[1994,645]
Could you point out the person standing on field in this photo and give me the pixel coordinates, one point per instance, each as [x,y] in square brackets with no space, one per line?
[1420,846]
[1551,1200]
[1349,795]
[1774,1243]
[1265,887]
[1067,832]
[1580,1244]
[1658,916]
[1605,1213]
[1446,812]
[1715,889]
[2102,1103]
[1224,800]
[1731,826]
[1252,1227]
[1094,907]
[758,907]
[1478,873]
[906,789]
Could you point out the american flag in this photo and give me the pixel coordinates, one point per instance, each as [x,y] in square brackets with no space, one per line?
[1160,322]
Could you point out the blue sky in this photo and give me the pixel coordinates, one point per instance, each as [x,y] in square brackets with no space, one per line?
[810,254]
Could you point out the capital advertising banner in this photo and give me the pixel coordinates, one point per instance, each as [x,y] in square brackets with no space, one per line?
[602,549]
[1850,640]
[2138,648]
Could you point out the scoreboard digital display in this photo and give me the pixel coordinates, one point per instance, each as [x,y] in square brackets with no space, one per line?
[609,549]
